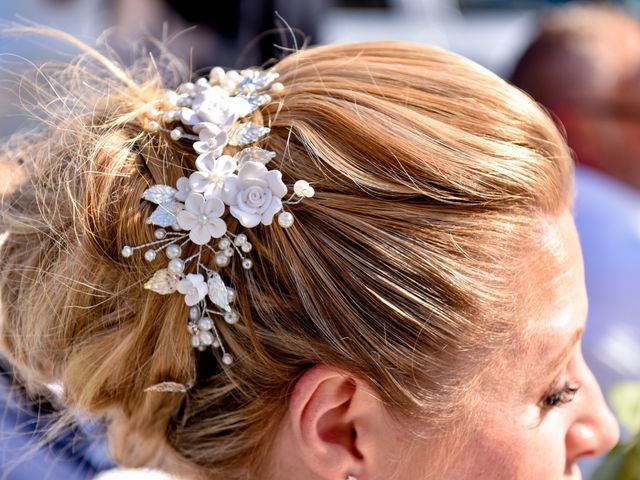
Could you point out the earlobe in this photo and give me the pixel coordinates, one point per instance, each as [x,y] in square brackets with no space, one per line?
[328,415]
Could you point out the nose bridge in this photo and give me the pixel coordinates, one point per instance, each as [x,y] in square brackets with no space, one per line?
[595,430]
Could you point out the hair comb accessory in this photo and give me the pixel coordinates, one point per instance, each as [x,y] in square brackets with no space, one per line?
[212,113]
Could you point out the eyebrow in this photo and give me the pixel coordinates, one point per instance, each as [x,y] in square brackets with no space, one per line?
[555,363]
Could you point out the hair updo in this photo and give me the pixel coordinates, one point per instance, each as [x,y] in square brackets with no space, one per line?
[430,175]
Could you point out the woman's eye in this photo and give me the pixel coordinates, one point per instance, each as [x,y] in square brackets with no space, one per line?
[560,397]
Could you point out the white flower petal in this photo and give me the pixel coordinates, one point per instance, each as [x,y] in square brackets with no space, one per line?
[184,188]
[201,147]
[251,170]
[213,208]
[274,207]
[248,220]
[186,220]
[217,227]
[274,178]
[188,116]
[191,300]
[206,163]
[200,234]
[230,190]
[207,130]
[194,203]
[225,165]
[240,106]
[203,289]
[199,181]
[183,286]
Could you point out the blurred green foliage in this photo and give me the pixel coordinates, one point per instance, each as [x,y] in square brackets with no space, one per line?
[623,462]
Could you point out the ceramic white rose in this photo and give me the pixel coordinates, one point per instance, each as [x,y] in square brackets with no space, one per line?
[195,211]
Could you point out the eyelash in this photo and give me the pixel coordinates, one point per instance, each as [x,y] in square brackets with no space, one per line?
[560,397]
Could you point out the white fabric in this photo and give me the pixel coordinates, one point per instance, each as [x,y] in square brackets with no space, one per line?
[129,474]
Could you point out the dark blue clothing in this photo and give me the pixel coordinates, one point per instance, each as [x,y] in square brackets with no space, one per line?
[77,453]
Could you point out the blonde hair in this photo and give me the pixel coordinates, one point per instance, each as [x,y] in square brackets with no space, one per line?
[430,175]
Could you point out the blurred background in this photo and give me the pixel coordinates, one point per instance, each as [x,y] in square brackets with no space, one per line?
[580,60]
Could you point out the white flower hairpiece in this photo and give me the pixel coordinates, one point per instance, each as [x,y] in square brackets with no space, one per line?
[194,210]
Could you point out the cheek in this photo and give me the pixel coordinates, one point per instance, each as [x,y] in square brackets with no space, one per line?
[513,447]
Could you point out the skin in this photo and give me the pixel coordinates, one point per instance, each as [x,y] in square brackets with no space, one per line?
[336,426]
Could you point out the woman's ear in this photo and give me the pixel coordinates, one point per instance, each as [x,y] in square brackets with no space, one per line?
[339,425]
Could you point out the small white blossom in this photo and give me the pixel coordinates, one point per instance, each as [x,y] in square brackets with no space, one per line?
[201,217]
[194,288]
[254,195]
[214,105]
[184,189]
[211,175]
[212,139]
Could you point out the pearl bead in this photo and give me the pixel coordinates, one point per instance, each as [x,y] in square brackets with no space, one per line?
[187,87]
[153,112]
[277,87]
[247,263]
[160,233]
[170,97]
[234,76]
[184,100]
[195,341]
[176,134]
[173,251]
[215,344]
[231,295]
[285,219]
[127,251]
[227,359]
[169,117]
[153,126]
[240,239]
[246,247]
[228,252]
[194,313]
[202,348]
[303,189]
[192,328]
[224,243]
[150,255]
[206,338]
[216,74]
[231,317]
[205,323]
[176,266]
[222,260]
[202,82]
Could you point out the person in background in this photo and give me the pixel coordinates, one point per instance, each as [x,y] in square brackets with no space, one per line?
[583,66]
[238,33]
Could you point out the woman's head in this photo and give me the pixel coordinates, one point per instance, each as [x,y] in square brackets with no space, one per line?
[419,288]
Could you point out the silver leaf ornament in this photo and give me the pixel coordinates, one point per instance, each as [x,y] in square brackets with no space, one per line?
[163,282]
[257,101]
[159,194]
[246,133]
[218,291]
[165,214]
[254,154]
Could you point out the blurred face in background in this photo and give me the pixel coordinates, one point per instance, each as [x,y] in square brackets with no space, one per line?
[604,130]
